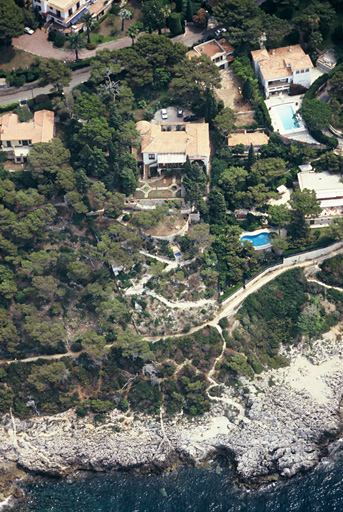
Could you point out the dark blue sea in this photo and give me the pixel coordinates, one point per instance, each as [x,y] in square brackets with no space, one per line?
[188,489]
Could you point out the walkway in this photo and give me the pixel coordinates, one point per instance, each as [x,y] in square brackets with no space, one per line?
[181,305]
[233,305]
[327,286]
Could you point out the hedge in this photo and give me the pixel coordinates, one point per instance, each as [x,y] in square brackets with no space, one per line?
[9,106]
[84,63]
[230,291]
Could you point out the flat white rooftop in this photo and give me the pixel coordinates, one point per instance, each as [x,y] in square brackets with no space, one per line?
[326,185]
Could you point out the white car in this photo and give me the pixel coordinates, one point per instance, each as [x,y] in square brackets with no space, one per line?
[220,32]
[29,30]
[164,113]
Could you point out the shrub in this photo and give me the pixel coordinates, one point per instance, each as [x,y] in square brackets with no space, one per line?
[59,40]
[123,405]
[52,35]
[81,411]
[295,89]
[223,323]
[18,81]
[24,114]
[91,46]
[41,98]
[76,346]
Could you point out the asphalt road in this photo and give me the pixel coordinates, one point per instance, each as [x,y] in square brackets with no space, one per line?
[191,36]
[78,77]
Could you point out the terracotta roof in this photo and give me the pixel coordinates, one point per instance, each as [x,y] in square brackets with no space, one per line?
[226,45]
[212,49]
[281,62]
[256,139]
[194,141]
[40,129]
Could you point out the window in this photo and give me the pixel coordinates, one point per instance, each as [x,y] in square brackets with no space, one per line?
[70,12]
[307,70]
[78,5]
[151,156]
[58,13]
[9,144]
[302,71]
[297,72]
[25,143]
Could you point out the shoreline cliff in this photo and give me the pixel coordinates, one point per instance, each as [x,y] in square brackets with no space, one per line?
[282,427]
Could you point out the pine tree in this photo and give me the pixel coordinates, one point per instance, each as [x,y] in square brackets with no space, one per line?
[247,90]
[251,157]
[189,11]
[178,5]
[211,108]
[217,209]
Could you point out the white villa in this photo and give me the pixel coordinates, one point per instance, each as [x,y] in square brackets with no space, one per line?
[220,52]
[64,15]
[167,146]
[279,68]
[329,191]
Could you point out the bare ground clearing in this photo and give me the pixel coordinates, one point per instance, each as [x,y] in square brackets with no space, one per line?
[231,96]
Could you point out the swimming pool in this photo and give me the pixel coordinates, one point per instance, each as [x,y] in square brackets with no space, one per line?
[286,114]
[257,240]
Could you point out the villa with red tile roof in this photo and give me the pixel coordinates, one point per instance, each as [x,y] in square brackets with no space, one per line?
[220,52]
[167,146]
[17,138]
[279,68]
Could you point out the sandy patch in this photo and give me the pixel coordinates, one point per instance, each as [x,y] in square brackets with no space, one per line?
[304,376]
[312,370]
[216,426]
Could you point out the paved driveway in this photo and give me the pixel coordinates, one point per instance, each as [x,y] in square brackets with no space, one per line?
[38,44]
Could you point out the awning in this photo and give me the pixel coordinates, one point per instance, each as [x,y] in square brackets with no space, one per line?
[332,203]
[171,158]
[78,16]
[21,151]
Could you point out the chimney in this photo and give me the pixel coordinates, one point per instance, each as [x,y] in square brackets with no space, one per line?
[289,49]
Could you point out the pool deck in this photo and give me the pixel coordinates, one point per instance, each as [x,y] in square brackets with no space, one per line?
[258,232]
[300,134]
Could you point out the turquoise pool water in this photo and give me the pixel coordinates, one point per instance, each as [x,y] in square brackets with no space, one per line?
[286,114]
[257,240]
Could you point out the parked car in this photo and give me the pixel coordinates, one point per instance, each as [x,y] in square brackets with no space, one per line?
[190,118]
[220,31]
[164,113]
[179,112]
[29,30]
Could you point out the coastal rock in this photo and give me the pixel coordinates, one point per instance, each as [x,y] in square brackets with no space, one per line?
[280,431]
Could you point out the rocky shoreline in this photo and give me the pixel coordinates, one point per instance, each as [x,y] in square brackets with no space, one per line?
[282,429]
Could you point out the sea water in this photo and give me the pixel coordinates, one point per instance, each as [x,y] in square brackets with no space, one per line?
[188,489]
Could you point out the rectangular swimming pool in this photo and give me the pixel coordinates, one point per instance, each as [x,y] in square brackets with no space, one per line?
[286,114]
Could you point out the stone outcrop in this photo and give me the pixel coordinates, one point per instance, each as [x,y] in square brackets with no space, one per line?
[282,432]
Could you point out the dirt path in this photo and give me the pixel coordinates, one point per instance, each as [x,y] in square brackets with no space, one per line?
[229,310]
[325,285]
